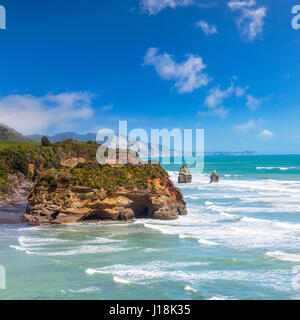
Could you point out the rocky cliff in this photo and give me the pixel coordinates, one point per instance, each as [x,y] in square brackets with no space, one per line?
[64,184]
[95,192]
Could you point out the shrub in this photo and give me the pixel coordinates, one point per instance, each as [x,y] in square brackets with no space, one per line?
[45,142]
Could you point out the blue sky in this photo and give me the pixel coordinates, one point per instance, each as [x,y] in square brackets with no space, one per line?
[230,67]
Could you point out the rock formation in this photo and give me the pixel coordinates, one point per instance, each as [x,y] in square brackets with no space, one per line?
[185,175]
[214,178]
[63,197]
[63,183]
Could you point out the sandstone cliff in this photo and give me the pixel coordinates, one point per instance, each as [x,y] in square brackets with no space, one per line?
[103,192]
[63,183]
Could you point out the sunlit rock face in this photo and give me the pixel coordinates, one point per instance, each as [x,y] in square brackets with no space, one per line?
[185,175]
[104,193]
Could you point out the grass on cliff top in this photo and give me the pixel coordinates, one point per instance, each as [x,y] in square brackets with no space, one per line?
[16,157]
[26,144]
[111,179]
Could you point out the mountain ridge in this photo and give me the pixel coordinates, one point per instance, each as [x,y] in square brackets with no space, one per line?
[9,134]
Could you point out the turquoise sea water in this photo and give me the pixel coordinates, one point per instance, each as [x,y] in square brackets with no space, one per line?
[240,240]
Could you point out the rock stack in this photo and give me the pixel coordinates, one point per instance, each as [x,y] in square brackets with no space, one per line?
[184,175]
[214,178]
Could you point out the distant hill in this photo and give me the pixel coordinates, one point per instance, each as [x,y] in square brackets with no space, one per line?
[9,134]
[65,135]
[226,153]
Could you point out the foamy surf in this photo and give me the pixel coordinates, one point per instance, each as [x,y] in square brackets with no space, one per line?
[284,256]
[276,168]
[190,289]
[242,233]
[120,280]
[207,242]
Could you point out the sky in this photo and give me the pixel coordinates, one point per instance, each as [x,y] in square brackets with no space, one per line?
[229,67]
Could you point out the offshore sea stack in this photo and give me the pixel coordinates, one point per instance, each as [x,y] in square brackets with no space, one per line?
[185,175]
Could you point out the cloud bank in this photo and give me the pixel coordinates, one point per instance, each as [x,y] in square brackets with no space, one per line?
[31,114]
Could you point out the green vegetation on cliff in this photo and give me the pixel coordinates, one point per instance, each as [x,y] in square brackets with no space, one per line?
[111,179]
[40,163]
[30,158]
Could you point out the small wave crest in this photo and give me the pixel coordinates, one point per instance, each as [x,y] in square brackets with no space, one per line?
[284,256]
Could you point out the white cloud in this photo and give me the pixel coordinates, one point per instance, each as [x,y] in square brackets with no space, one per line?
[216,96]
[240,92]
[207,28]
[207,5]
[254,103]
[106,108]
[251,19]
[266,134]
[188,75]
[153,7]
[245,127]
[241,4]
[31,114]
[220,112]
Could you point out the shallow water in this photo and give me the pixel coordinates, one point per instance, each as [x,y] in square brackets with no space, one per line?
[240,240]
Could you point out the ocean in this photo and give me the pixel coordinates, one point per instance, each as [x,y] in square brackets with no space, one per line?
[240,240]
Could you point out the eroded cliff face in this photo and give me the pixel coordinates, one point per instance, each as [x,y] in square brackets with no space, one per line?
[64,184]
[130,192]
[18,188]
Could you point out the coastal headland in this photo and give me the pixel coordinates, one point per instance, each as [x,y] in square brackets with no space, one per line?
[63,183]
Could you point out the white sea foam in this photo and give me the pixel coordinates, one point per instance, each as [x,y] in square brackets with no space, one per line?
[188,288]
[276,168]
[120,280]
[207,242]
[99,240]
[156,271]
[240,203]
[85,290]
[85,249]
[34,242]
[284,256]
[18,248]
[219,298]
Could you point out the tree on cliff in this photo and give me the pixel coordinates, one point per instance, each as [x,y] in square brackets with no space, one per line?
[45,142]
